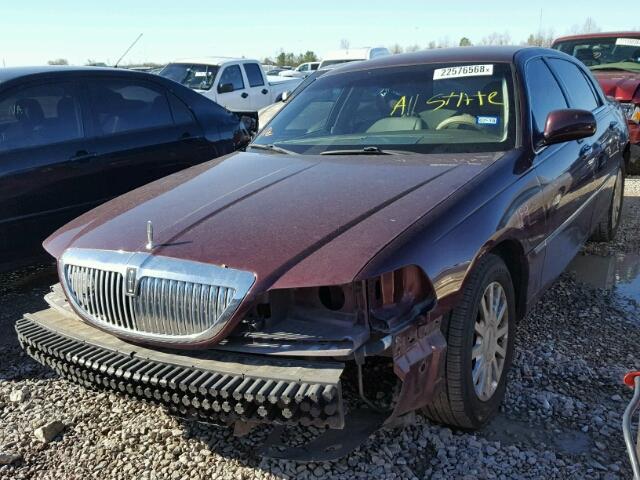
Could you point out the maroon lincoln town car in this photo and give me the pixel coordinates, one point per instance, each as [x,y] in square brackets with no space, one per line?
[411,207]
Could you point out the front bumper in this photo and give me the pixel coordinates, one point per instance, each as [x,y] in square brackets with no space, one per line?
[217,387]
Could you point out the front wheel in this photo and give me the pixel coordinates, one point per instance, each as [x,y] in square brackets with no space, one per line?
[606,229]
[480,335]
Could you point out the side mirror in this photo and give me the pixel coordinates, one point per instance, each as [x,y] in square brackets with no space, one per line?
[225,88]
[285,95]
[569,124]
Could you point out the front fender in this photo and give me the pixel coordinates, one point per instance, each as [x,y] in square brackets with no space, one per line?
[504,204]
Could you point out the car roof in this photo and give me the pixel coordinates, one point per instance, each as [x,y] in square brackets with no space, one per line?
[218,61]
[635,34]
[17,73]
[443,55]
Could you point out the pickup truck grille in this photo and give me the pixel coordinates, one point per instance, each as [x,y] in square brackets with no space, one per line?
[132,296]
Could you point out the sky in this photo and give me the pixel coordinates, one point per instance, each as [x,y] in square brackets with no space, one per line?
[35,31]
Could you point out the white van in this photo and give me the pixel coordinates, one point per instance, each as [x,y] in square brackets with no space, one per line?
[352,55]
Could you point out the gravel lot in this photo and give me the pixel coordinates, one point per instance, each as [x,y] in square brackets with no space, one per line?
[561,417]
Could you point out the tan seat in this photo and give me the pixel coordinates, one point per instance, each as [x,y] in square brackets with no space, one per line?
[396,124]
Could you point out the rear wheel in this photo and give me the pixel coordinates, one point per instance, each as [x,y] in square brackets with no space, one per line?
[480,335]
[606,230]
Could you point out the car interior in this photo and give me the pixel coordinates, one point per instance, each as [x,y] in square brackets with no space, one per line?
[457,109]
[33,121]
[119,110]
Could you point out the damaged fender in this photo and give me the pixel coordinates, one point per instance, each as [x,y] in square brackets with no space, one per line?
[418,360]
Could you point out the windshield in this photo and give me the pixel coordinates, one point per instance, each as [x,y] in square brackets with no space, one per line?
[451,108]
[198,77]
[620,53]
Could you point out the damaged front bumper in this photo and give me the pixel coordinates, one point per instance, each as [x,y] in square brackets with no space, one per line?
[213,386]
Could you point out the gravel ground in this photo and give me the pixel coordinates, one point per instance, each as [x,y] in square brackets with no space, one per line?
[561,417]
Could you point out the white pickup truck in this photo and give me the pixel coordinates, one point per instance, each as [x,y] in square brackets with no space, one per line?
[238,84]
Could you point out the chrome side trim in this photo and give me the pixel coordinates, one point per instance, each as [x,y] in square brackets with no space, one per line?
[140,296]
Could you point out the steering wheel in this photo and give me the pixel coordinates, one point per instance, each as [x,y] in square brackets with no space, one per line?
[464,119]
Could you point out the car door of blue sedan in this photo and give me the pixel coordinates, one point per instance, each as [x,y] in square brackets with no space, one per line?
[42,144]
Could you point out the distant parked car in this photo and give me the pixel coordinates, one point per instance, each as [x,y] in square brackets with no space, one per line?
[352,55]
[238,84]
[614,59]
[72,138]
[301,71]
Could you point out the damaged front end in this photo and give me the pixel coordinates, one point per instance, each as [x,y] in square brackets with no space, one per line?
[391,315]
[282,363]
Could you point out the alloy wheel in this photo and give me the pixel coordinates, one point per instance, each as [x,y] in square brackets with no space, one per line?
[490,341]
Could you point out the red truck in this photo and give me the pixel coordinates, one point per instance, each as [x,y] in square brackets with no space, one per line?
[614,59]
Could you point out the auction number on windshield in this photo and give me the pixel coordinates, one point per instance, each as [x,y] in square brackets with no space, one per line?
[462,71]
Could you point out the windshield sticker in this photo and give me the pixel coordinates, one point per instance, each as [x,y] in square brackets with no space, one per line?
[487,120]
[200,74]
[462,71]
[464,99]
[628,42]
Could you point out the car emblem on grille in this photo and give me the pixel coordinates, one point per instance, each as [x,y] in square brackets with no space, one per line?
[130,281]
[149,245]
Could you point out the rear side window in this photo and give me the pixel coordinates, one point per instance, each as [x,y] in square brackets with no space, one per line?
[576,84]
[122,106]
[39,115]
[254,75]
[232,75]
[181,113]
[545,95]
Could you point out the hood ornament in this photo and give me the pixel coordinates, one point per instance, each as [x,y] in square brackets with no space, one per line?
[149,245]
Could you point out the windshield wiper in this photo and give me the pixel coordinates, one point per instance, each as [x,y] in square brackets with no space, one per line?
[366,151]
[271,147]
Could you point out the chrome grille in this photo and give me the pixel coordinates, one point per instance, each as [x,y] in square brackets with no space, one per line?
[172,299]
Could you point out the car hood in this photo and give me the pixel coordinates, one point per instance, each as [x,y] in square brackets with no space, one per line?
[617,84]
[293,220]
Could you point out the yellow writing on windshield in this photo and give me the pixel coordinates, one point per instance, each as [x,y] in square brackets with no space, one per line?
[401,105]
[464,99]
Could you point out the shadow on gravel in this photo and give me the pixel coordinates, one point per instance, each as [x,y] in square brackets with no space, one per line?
[510,431]
[21,291]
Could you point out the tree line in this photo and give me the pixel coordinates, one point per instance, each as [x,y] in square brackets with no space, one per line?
[542,38]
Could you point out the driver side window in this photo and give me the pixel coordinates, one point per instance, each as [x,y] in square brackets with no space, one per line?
[231,75]
[545,95]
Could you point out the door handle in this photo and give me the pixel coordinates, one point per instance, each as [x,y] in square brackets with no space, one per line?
[244,95]
[265,91]
[185,135]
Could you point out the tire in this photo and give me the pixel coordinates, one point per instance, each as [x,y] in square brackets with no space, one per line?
[606,229]
[458,403]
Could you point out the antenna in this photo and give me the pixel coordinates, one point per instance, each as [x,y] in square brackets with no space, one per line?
[127,50]
[540,23]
